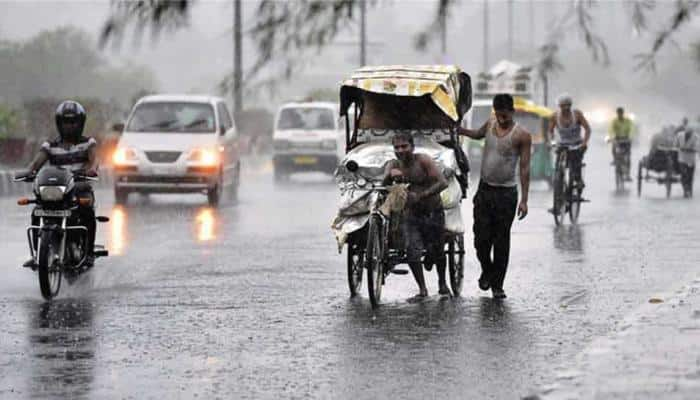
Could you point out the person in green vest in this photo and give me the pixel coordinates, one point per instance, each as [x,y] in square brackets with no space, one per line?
[621,131]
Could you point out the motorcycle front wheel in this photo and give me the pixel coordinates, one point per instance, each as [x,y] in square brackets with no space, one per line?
[49,277]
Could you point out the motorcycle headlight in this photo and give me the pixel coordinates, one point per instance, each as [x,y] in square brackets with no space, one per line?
[52,193]
[204,156]
[361,182]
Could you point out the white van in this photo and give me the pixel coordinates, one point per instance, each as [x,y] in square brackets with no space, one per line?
[177,144]
[308,136]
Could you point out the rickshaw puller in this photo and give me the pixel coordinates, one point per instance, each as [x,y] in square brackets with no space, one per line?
[424,217]
[688,145]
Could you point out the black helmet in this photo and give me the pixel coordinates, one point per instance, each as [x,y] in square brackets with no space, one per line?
[73,113]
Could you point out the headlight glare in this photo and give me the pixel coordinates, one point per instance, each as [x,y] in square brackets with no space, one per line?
[204,156]
[124,155]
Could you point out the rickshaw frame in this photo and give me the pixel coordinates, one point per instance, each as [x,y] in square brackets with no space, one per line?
[375,236]
[666,175]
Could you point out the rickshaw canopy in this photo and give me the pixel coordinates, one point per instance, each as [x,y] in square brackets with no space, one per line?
[384,87]
[531,107]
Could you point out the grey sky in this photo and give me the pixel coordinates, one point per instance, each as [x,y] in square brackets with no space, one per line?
[198,57]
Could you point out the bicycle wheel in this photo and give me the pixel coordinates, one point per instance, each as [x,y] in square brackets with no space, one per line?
[639,180]
[355,260]
[669,176]
[455,250]
[559,205]
[374,258]
[619,175]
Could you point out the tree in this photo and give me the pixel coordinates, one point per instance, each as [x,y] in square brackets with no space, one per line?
[285,30]
[65,63]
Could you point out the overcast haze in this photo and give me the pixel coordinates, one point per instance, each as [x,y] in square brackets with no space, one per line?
[196,58]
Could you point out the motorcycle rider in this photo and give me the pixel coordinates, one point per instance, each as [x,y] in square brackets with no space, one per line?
[78,153]
[424,217]
[568,122]
[621,130]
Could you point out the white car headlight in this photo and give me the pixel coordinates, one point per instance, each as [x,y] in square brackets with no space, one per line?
[205,156]
[124,155]
[52,193]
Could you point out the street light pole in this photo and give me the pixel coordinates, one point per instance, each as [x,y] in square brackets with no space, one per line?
[237,59]
[363,33]
[485,56]
[510,30]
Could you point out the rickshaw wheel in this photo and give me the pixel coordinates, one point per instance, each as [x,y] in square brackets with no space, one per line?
[355,261]
[455,258]
[639,180]
[374,256]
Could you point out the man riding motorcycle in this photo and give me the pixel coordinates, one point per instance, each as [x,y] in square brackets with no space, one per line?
[621,129]
[76,152]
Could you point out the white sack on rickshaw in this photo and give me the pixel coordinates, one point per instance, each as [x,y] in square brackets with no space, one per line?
[395,200]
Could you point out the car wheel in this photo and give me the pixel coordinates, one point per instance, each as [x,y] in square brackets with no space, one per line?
[214,194]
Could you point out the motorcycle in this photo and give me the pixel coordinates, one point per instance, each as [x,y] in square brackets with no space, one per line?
[58,244]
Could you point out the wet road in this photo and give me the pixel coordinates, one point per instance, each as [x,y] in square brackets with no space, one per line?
[250,301]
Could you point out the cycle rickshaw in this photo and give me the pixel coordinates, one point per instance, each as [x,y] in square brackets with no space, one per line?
[660,166]
[377,102]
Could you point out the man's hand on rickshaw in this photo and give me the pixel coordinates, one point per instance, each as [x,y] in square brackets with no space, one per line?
[522,210]
[395,173]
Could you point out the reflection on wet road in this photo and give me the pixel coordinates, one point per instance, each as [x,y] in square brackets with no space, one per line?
[250,301]
[62,343]
[118,236]
[206,220]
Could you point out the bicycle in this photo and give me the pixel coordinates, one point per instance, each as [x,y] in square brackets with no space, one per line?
[621,150]
[567,187]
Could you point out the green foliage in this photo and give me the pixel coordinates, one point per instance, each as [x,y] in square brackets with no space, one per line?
[323,94]
[41,125]
[9,122]
[64,63]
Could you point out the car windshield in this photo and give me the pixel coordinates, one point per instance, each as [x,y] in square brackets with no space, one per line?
[171,117]
[306,118]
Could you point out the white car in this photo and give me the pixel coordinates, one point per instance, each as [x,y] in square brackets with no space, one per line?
[308,136]
[177,144]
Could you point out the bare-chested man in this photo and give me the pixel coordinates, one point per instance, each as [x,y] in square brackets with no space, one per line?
[424,218]
[495,203]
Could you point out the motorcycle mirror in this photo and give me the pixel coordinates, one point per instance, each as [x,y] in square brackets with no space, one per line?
[352,166]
